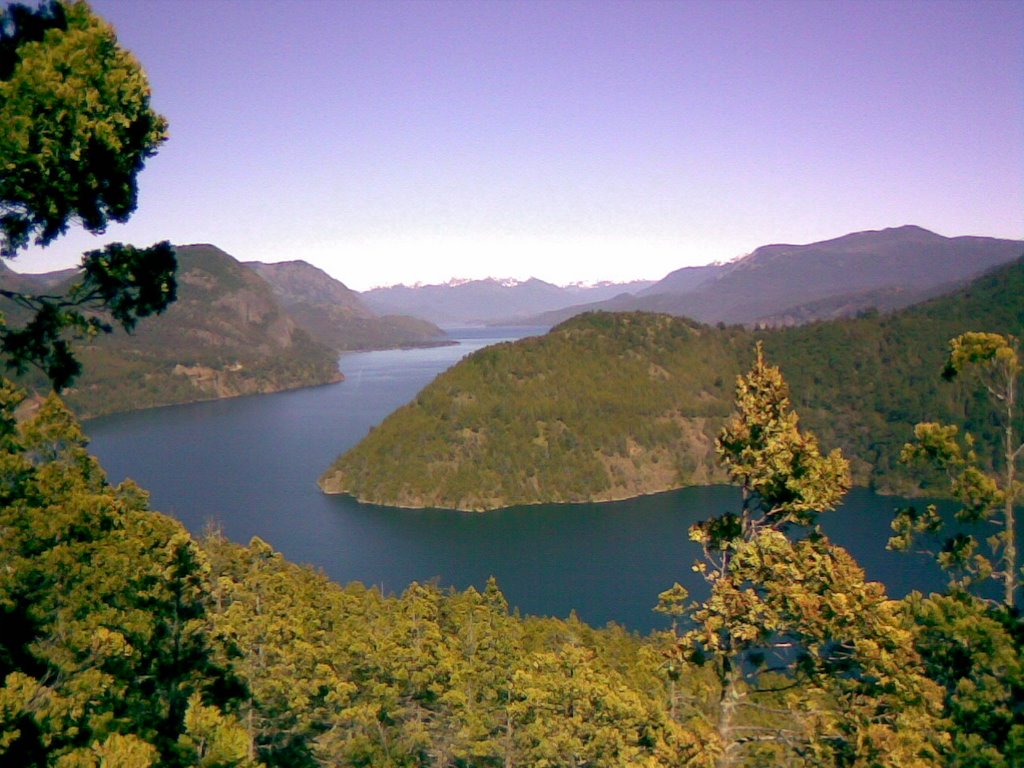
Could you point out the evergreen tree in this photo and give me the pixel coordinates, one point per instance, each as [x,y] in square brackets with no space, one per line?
[983,481]
[812,664]
[972,649]
[107,654]
[76,128]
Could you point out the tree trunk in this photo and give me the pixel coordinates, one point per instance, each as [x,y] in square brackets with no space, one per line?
[1010,555]
[728,705]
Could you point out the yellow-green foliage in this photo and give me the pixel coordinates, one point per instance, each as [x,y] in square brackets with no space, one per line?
[987,497]
[127,642]
[783,598]
[348,676]
[107,649]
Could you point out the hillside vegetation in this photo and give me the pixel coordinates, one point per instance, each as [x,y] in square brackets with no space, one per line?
[593,410]
[226,335]
[610,406]
[128,642]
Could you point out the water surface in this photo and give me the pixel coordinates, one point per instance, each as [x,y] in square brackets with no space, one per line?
[250,465]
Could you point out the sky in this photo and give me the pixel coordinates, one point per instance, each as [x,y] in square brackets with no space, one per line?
[398,142]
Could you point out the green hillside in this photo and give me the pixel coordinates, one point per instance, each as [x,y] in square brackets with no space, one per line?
[862,383]
[610,406]
[226,335]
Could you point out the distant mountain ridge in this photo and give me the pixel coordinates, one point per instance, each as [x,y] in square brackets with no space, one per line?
[780,283]
[336,316]
[488,301]
[685,280]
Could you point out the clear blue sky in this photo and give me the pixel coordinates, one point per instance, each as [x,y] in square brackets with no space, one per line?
[417,141]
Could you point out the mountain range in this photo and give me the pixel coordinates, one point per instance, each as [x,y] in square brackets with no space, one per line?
[489,301]
[261,327]
[790,284]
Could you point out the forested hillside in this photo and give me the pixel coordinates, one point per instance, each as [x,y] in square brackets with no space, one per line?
[225,335]
[614,405]
[596,409]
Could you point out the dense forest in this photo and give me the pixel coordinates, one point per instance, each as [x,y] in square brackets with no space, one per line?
[609,406]
[129,642]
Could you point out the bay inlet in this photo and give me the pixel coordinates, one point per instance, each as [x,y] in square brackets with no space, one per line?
[249,465]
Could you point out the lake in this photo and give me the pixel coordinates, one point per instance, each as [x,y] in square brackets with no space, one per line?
[250,465]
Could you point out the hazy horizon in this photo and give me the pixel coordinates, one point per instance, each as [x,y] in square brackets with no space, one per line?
[401,142]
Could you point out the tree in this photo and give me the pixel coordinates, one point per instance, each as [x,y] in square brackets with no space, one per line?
[108,648]
[985,484]
[813,664]
[76,128]
[972,649]
[971,644]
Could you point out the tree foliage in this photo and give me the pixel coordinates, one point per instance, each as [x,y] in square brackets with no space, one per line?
[76,128]
[973,650]
[348,676]
[811,663]
[971,642]
[108,650]
[982,477]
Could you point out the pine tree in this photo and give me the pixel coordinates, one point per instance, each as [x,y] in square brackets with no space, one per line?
[983,481]
[107,642]
[813,665]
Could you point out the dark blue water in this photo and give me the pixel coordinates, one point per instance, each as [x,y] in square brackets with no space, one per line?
[250,465]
